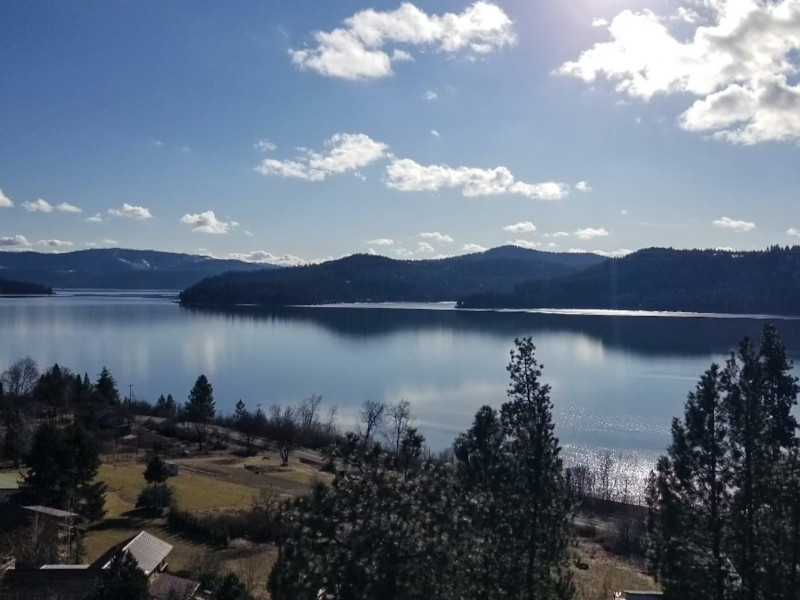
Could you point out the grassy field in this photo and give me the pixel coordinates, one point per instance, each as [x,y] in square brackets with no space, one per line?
[203,484]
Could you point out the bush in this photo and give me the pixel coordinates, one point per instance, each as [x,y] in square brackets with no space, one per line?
[156,498]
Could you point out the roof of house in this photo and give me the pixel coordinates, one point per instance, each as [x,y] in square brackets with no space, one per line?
[147,549]
[52,512]
[167,586]
[8,482]
[51,584]
[61,567]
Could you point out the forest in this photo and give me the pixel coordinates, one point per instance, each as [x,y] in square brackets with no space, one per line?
[759,282]
[367,278]
[9,287]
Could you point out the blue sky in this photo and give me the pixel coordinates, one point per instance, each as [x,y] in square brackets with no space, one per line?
[290,131]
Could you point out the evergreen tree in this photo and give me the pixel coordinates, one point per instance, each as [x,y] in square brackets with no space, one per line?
[537,504]
[63,464]
[123,580]
[725,510]
[690,526]
[156,471]
[200,407]
[105,389]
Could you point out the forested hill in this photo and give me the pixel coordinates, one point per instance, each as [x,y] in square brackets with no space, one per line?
[366,278]
[116,268]
[22,288]
[766,282]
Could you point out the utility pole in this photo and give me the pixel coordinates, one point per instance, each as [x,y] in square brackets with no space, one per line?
[130,394]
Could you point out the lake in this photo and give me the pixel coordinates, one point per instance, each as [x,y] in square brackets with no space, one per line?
[617,379]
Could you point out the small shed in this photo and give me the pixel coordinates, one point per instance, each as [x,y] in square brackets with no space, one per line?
[9,485]
[172,468]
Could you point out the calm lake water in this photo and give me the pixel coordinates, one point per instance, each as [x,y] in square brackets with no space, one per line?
[617,380]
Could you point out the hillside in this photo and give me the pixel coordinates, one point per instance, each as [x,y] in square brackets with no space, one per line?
[766,282]
[116,268]
[366,278]
[9,287]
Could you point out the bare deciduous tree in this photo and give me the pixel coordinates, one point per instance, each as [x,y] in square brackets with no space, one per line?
[399,420]
[370,419]
[20,378]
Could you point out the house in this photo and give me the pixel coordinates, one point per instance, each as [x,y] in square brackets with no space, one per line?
[8,486]
[77,582]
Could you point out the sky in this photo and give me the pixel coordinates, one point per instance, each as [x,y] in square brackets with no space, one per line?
[292,131]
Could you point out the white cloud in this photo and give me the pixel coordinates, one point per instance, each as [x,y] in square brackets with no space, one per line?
[435,133]
[356,51]
[521,227]
[38,206]
[265,145]
[65,207]
[472,248]
[92,245]
[589,233]
[425,247]
[110,242]
[623,212]
[185,149]
[402,252]
[380,242]
[16,241]
[524,244]
[5,201]
[54,243]
[139,213]
[96,218]
[401,56]
[619,253]
[793,231]
[439,238]
[599,22]
[157,143]
[248,233]
[409,176]
[263,257]
[738,226]
[739,62]
[207,222]
[556,234]
[583,186]
[552,245]
[345,152]
[431,95]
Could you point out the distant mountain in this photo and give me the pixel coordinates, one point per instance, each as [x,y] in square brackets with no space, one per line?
[116,268]
[367,278]
[22,288]
[766,282]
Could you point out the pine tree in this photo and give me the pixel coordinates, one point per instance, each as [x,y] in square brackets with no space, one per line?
[200,407]
[689,500]
[538,508]
[123,580]
[106,388]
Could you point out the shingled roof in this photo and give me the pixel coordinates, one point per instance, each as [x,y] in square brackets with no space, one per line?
[166,586]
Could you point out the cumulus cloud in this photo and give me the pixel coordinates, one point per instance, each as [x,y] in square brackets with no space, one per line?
[5,201]
[265,145]
[524,244]
[54,243]
[66,207]
[402,252]
[138,213]
[15,241]
[435,133]
[96,218]
[619,253]
[38,206]
[738,226]
[344,152]
[358,50]
[521,227]
[110,242]
[407,175]
[793,231]
[207,222]
[470,248]
[431,95]
[589,233]
[739,62]
[556,234]
[425,247]
[380,242]
[401,56]
[583,186]
[439,238]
